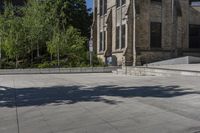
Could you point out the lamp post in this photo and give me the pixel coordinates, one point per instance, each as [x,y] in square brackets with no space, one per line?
[91,51]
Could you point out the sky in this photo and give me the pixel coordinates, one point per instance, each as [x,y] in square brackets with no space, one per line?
[89,3]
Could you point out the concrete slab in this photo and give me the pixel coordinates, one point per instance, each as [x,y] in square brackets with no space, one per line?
[177,61]
[186,67]
[99,103]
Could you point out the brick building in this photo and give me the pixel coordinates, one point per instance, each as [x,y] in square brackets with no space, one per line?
[135,32]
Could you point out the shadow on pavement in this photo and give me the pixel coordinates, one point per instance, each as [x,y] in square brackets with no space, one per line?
[74,94]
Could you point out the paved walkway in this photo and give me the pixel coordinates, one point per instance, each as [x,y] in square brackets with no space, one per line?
[99,103]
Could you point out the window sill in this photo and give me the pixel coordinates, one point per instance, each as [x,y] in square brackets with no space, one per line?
[101,52]
[122,6]
[119,51]
[156,49]
[103,16]
[156,2]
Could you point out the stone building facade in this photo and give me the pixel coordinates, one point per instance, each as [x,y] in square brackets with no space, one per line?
[136,32]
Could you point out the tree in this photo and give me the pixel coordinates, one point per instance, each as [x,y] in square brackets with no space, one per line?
[38,29]
[71,12]
[13,35]
[68,44]
[34,20]
[1,35]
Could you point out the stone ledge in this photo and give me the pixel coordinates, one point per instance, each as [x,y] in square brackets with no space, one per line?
[152,71]
[58,70]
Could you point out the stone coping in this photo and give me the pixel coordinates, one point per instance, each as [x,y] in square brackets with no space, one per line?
[59,70]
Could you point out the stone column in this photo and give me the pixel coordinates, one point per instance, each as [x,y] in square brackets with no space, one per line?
[128,54]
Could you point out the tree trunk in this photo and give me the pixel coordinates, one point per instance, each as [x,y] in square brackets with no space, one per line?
[16,62]
[51,57]
[31,57]
[58,55]
[38,50]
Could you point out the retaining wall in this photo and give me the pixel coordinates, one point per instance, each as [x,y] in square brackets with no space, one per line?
[150,71]
[59,70]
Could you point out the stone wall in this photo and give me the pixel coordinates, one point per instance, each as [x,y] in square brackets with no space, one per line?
[59,70]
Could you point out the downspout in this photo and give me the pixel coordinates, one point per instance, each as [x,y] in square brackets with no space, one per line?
[172,11]
[120,27]
[134,26]
[104,31]
[173,32]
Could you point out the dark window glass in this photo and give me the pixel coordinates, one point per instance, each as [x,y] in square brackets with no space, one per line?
[156,0]
[117,37]
[194,36]
[104,41]
[155,35]
[101,42]
[118,3]
[123,2]
[101,7]
[137,7]
[105,7]
[123,36]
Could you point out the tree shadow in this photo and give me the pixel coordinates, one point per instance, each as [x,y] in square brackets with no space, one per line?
[56,95]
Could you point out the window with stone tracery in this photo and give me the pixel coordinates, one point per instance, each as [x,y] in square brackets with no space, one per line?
[103,7]
[120,2]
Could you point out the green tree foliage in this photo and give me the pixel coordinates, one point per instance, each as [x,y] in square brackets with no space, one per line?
[13,35]
[71,12]
[45,32]
[68,44]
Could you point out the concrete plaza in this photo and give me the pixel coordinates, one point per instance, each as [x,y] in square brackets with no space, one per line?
[99,103]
